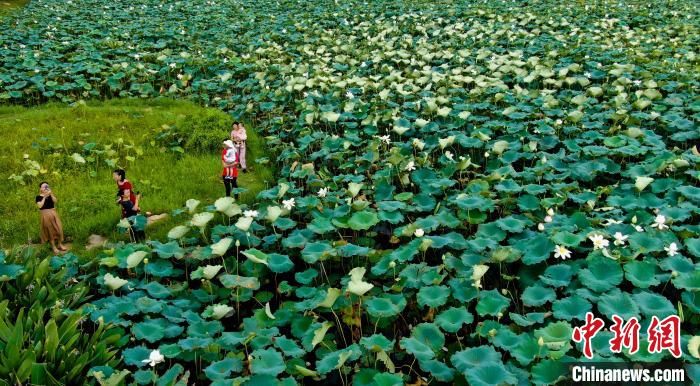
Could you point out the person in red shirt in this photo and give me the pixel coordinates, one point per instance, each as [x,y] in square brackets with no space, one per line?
[230,169]
[127,189]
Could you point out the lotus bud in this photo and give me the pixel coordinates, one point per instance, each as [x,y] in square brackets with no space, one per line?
[548,219]
[499,315]
[540,342]
[493,332]
[550,211]
[674,273]
[504,291]
[145,261]
[540,227]
[238,243]
[392,264]
[486,154]
[634,219]
[544,159]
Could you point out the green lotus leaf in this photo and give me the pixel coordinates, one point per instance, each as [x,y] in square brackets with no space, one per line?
[256,256]
[651,304]
[433,296]
[491,302]
[536,248]
[568,239]
[645,243]
[556,335]
[421,350]
[150,330]
[452,319]
[440,371]
[307,276]
[134,356]
[337,359]
[279,263]
[601,275]
[688,281]
[429,334]
[220,370]
[557,275]
[233,281]
[161,268]
[148,305]
[387,379]
[204,329]
[475,357]
[549,372]
[693,246]
[690,192]
[267,362]
[511,224]
[527,320]
[363,220]
[616,302]
[376,343]
[289,347]
[641,273]
[527,351]
[316,251]
[385,306]
[537,295]
[157,290]
[570,308]
[144,377]
[168,250]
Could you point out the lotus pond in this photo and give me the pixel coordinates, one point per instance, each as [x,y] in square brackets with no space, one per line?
[458,184]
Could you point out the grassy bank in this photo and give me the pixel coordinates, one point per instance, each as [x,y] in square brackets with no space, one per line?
[169,149]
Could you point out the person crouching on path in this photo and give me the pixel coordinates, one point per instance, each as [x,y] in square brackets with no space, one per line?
[239,138]
[230,167]
[128,211]
[51,226]
[124,185]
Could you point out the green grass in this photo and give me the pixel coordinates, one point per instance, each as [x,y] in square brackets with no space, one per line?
[86,203]
[7,6]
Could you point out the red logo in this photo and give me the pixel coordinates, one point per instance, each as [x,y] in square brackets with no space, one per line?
[662,334]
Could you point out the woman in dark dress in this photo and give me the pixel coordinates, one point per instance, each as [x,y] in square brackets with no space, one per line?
[51,227]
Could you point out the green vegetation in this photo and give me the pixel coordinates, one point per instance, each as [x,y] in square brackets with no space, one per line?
[170,149]
[459,183]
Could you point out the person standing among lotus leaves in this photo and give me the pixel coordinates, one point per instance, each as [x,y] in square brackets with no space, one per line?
[239,138]
[51,226]
[230,169]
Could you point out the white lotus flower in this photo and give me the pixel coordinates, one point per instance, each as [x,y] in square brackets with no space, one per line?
[154,358]
[620,239]
[638,228]
[419,232]
[561,252]
[251,213]
[550,212]
[288,204]
[540,227]
[599,241]
[322,192]
[449,155]
[268,311]
[173,65]
[478,271]
[660,222]
[410,166]
[547,219]
[349,95]
[220,247]
[486,154]
[671,250]
[356,285]
[385,138]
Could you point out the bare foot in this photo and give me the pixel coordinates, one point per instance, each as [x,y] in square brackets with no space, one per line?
[62,247]
[56,251]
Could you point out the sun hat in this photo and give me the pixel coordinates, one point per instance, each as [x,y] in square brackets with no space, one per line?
[228,143]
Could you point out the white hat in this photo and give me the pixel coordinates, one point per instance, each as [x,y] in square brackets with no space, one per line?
[228,143]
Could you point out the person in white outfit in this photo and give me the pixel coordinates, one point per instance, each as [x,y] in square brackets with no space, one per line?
[239,137]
